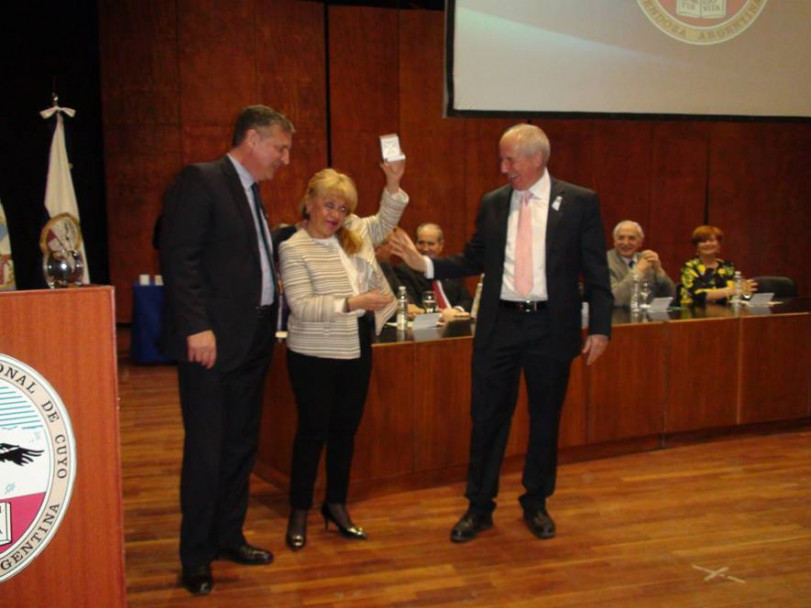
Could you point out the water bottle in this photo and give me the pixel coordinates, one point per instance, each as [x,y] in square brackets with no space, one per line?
[402,308]
[635,289]
[737,288]
[474,308]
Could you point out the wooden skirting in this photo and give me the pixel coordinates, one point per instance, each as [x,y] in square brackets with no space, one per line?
[370,488]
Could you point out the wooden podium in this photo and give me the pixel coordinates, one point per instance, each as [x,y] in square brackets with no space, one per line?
[68,337]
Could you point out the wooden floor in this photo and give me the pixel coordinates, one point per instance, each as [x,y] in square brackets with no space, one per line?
[718,524]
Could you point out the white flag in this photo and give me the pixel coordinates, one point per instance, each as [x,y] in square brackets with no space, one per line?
[60,198]
[7,282]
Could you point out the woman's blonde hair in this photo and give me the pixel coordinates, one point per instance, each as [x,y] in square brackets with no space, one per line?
[330,183]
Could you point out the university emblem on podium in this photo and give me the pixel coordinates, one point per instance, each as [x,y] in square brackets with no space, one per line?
[702,21]
[37,464]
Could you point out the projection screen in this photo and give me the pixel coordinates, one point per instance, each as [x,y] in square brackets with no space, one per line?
[671,57]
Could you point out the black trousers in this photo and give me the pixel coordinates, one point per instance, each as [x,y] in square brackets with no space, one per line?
[521,341]
[330,396]
[221,416]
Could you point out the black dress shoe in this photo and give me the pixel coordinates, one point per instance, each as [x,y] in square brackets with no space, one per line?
[470,525]
[247,554]
[197,581]
[539,522]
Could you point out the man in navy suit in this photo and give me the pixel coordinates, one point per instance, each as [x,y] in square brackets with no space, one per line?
[218,259]
[535,237]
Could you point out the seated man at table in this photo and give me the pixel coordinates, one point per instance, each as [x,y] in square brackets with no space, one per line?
[626,259]
[452,296]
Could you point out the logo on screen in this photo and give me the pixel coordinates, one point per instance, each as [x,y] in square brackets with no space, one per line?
[37,464]
[702,21]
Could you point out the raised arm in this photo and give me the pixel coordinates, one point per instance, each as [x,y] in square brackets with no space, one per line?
[393,202]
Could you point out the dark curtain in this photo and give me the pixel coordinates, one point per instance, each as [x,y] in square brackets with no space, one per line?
[48,45]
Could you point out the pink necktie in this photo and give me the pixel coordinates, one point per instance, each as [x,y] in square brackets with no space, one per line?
[523,247]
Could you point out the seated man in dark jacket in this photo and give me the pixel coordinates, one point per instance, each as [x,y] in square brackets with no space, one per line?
[452,296]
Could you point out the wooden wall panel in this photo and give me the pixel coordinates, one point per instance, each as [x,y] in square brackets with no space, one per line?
[291,72]
[279,419]
[626,390]
[482,172]
[216,64]
[759,184]
[678,184]
[775,363]
[384,445]
[622,171]
[436,160]
[703,387]
[140,105]
[442,404]
[364,94]
[573,156]
[573,420]
[216,56]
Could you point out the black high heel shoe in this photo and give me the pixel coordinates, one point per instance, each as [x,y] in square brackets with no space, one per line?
[296,536]
[348,531]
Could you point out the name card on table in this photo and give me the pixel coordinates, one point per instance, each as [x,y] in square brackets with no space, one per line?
[760,300]
[660,304]
[424,321]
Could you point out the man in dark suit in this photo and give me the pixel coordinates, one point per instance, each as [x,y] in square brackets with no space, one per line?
[218,266]
[534,238]
[450,294]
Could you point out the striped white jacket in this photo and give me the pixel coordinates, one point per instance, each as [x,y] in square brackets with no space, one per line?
[314,279]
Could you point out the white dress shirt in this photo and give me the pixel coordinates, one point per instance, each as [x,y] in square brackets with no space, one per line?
[247,181]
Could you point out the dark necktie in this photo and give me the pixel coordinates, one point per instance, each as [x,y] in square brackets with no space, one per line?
[631,264]
[257,205]
[260,222]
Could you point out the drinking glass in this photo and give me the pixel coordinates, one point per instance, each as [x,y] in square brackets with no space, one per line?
[746,289]
[645,291]
[429,301]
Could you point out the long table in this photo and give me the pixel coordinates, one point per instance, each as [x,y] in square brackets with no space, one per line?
[689,371]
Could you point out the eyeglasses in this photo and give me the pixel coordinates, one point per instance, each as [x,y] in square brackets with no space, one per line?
[330,206]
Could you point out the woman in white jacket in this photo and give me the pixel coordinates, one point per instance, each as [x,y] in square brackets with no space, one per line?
[337,296]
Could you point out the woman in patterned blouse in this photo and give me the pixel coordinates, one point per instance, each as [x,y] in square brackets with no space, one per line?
[706,277]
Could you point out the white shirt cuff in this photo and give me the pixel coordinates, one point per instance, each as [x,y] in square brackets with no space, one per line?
[429,267]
